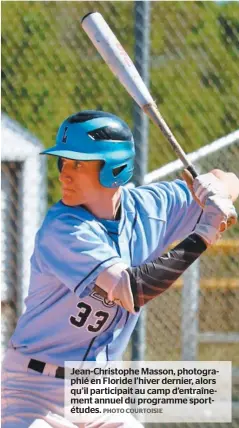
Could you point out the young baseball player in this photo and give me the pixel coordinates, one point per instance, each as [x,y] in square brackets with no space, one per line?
[98,260]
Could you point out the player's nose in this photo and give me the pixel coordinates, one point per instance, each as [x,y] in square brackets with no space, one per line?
[64,176]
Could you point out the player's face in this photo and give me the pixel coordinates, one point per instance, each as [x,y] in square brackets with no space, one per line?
[80,182]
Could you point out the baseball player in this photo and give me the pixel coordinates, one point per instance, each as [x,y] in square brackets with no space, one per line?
[97,260]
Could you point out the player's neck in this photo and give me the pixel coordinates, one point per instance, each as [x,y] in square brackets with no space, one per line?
[107,204]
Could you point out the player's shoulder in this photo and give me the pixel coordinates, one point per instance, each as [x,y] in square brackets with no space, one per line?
[62,218]
[161,191]
[156,200]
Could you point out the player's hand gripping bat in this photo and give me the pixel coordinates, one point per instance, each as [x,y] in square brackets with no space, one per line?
[123,68]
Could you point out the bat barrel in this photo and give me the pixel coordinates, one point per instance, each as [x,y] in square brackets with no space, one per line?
[116,57]
[123,68]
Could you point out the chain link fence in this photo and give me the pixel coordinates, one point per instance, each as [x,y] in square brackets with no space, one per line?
[23,204]
[9,242]
[50,69]
[219,291]
[214,310]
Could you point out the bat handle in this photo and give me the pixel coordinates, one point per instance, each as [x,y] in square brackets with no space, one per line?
[152,111]
[192,171]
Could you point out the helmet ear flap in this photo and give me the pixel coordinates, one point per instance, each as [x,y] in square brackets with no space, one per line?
[59,164]
[112,175]
[117,171]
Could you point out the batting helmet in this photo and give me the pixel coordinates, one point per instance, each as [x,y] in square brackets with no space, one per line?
[97,135]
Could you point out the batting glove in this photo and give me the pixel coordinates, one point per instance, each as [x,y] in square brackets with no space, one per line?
[207,185]
[216,213]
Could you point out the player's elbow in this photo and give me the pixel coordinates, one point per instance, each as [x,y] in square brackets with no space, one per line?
[115,282]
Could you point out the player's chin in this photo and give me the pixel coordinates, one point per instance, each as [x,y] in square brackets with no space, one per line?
[69,200]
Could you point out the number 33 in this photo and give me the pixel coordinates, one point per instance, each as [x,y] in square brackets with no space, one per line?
[84,313]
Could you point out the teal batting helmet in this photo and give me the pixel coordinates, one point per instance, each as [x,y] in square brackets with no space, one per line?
[97,135]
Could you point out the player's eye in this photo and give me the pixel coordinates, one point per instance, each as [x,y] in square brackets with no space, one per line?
[77,164]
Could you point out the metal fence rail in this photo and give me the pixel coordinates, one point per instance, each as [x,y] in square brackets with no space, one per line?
[197,319]
[50,69]
[217,270]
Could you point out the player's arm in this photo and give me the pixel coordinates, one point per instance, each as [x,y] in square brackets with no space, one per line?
[133,287]
[181,210]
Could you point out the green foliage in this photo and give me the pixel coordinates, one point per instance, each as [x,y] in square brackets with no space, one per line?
[195,82]
[50,69]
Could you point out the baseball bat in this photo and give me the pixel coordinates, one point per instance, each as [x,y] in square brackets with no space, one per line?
[124,69]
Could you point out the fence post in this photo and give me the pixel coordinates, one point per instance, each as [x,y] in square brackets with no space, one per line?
[190,306]
[142,30]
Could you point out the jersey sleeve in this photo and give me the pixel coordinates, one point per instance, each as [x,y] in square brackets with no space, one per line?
[182,211]
[75,254]
[173,203]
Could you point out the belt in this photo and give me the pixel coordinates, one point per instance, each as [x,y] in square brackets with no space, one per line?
[39,366]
